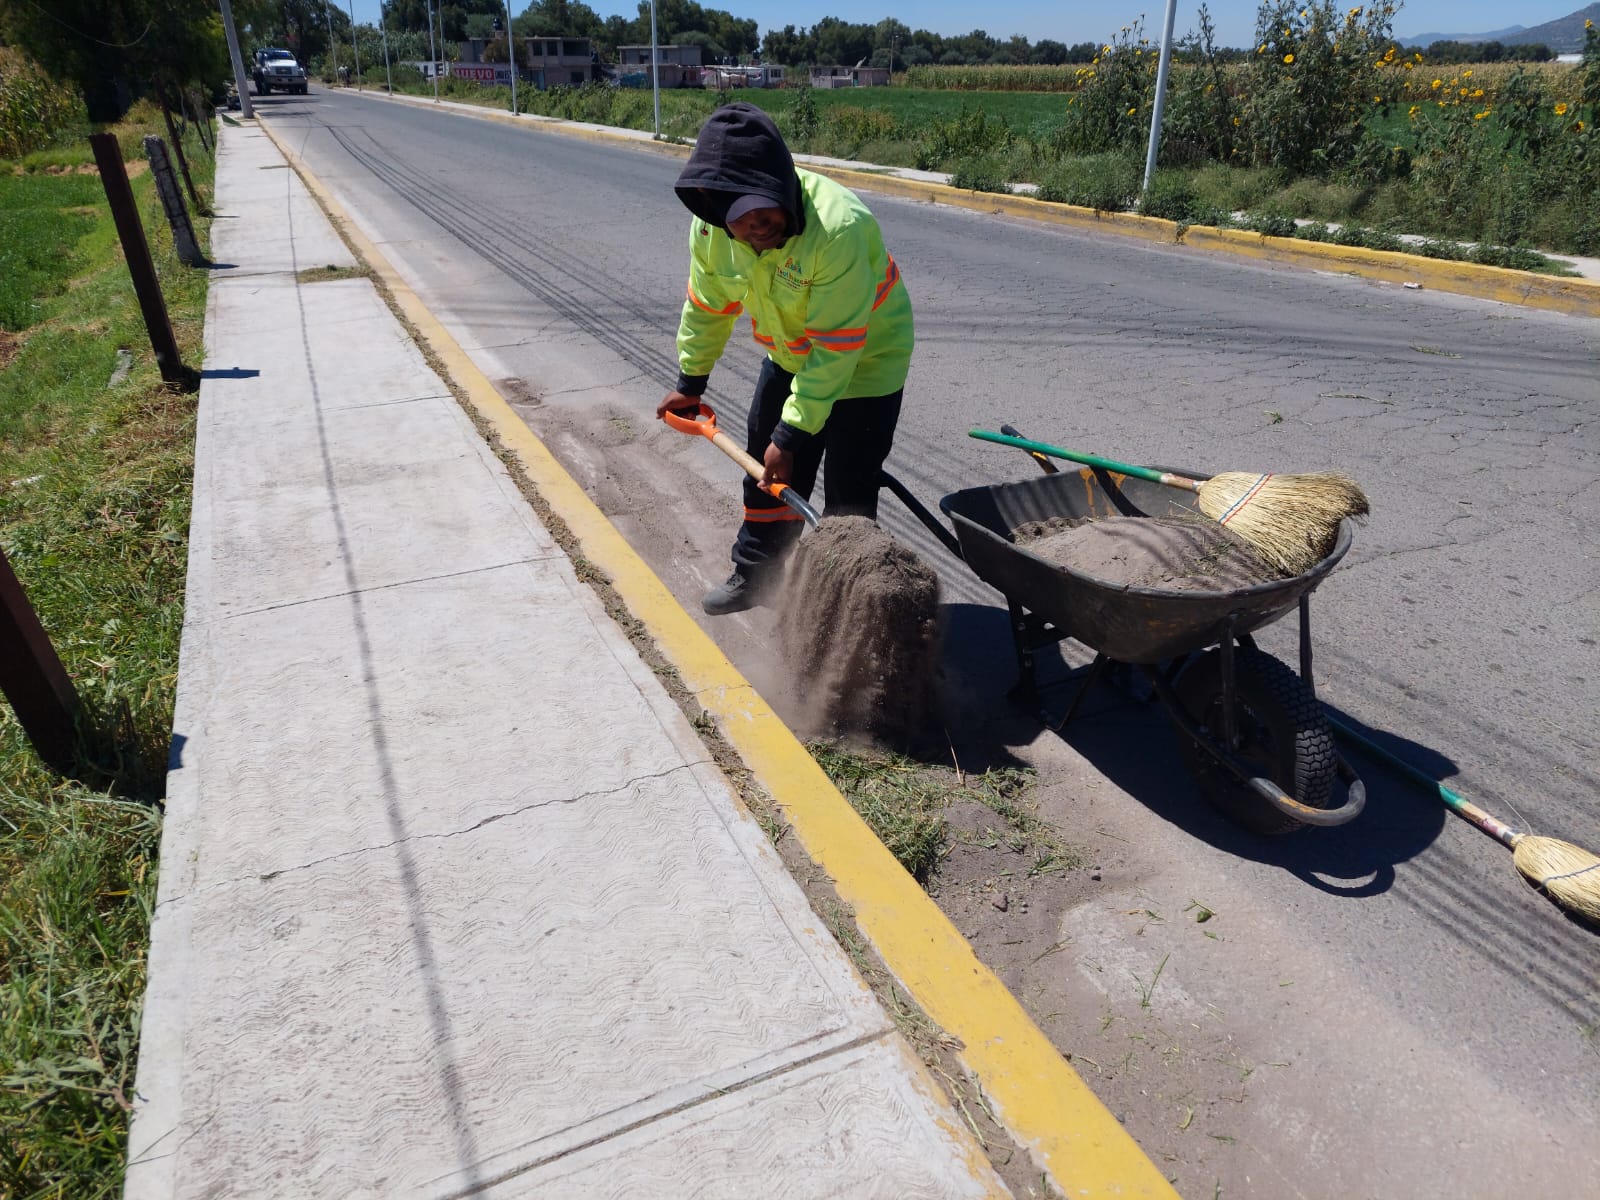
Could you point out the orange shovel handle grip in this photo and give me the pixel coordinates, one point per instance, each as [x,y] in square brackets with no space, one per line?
[684,423]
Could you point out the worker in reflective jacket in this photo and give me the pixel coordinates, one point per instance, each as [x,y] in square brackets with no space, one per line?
[803,256]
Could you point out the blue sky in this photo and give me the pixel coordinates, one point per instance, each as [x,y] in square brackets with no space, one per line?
[1085,21]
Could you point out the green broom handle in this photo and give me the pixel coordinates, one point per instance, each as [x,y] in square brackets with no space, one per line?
[1457,804]
[1089,460]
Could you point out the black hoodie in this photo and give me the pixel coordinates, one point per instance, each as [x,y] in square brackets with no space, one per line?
[740,153]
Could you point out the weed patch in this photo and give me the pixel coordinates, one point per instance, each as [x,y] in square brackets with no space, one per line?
[905,801]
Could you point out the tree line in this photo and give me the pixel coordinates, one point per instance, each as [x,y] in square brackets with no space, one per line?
[117,50]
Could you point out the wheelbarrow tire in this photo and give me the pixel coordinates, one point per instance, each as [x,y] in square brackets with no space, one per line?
[1283,732]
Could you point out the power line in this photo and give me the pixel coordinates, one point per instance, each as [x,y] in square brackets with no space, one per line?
[86,37]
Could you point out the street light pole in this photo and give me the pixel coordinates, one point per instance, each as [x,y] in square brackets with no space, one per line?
[333,46]
[655,68]
[383,28]
[511,53]
[1161,96]
[245,109]
[433,66]
[354,48]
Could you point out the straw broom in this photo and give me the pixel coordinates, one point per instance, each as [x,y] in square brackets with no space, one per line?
[1568,874]
[1292,521]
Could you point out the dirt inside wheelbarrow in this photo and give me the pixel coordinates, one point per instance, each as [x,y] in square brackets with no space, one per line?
[858,630]
[1174,553]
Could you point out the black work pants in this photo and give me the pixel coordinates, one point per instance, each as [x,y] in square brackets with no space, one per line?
[856,441]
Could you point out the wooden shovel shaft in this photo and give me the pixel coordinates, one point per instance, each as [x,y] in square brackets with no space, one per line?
[702,422]
[1181,482]
[736,452]
[781,490]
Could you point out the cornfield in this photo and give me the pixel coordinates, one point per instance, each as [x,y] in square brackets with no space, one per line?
[34,109]
[994,79]
[1559,79]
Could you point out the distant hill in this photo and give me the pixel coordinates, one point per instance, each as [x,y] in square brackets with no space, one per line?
[1564,35]
[1427,39]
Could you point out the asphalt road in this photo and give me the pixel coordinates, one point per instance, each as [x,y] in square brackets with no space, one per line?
[1380,1010]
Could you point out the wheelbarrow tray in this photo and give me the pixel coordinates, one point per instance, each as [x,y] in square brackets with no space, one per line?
[1128,624]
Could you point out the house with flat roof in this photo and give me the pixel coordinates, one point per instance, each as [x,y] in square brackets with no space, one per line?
[545,62]
[838,77]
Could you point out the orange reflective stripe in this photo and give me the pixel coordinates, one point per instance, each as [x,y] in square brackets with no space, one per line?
[763,339]
[732,310]
[767,515]
[844,339]
[803,346]
[890,278]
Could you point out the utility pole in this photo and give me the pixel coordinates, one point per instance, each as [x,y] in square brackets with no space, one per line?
[433,67]
[1161,97]
[239,81]
[511,53]
[354,48]
[383,28]
[333,46]
[655,68]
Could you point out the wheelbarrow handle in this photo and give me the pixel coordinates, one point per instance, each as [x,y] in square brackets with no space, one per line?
[704,423]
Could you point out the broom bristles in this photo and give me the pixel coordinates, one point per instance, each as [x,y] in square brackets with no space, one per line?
[1568,874]
[1291,520]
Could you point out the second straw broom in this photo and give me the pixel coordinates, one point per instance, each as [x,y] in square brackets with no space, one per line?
[1292,521]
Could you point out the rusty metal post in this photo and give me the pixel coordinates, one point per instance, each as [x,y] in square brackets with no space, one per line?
[195,105]
[119,194]
[172,201]
[32,677]
[177,146]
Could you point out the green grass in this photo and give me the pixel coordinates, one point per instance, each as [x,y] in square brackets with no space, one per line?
[904,802]
[94,506]
[41,222]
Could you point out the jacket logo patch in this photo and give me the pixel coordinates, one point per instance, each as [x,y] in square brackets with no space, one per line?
[791,276]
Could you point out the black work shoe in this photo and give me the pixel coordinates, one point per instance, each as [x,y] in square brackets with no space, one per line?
[736,595]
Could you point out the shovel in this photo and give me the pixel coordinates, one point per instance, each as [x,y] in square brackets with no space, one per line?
[704,423]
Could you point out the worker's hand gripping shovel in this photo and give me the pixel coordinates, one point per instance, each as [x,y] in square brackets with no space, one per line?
[704,422]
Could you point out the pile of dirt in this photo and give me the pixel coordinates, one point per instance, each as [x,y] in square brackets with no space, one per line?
[858,630]
[1190,554]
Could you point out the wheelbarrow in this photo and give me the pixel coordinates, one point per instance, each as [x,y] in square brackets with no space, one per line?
[1250,729]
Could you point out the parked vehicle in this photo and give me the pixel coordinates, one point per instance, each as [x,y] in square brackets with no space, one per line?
[278,69]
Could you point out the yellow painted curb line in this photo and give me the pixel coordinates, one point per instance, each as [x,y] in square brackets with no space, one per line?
[1577,297]
[1033,1090]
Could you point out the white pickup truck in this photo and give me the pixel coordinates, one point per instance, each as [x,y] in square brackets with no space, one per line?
[278,69]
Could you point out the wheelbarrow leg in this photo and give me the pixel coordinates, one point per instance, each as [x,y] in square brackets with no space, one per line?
[1305,645]
[1230,717]
[1096,669]
[1027,689]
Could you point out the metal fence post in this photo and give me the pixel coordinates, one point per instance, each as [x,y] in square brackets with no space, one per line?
[32,677]
[172,201]
[119,194]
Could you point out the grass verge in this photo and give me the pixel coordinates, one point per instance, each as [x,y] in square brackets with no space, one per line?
[95,478]
[905,801]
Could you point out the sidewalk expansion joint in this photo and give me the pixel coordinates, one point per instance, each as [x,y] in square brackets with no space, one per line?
[412,839]
[866,1039]
[383,587]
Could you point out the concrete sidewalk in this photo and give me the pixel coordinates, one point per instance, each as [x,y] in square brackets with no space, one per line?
[453,901]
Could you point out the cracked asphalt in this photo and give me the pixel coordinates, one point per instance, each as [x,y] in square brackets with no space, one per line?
[1432,1020]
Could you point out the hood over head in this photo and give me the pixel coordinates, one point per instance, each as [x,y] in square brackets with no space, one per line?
[740,153]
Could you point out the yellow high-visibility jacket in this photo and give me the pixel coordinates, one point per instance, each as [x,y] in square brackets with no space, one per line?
[829,305]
